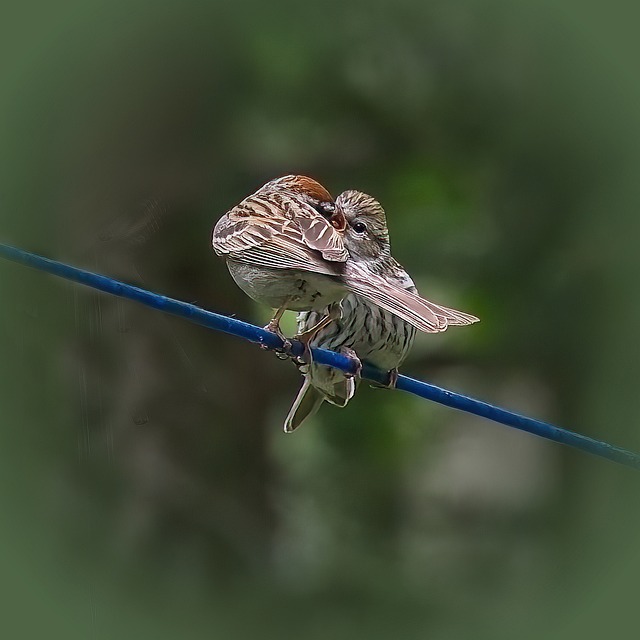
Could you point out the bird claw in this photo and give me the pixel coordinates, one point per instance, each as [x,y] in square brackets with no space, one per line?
[283,352]
[352,355]
[392,382]
[393,378]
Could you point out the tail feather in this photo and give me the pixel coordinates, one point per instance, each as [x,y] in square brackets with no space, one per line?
[307,402]
[341,391]
[422,314]
[310,398]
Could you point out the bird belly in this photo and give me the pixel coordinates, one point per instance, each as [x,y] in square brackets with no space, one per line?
[377,336]
[294,289]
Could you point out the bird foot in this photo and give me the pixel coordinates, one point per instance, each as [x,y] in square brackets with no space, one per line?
[334,313]
[350,353]
[392,382]
[393,378]
[283,352]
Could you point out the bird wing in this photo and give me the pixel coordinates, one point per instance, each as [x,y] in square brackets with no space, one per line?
[422,314]
[280,233]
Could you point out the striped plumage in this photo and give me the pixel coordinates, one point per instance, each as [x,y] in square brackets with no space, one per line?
[379,315]
[375,335]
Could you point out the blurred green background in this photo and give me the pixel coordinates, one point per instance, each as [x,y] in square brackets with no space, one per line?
[146,487]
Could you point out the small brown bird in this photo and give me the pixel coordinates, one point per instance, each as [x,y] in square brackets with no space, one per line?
[285,247]
[365,330]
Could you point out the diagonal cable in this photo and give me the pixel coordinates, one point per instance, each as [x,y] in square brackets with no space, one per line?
[255,334]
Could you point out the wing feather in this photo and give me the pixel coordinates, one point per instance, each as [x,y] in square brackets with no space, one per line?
[275,256]
[420,313]
[290,232]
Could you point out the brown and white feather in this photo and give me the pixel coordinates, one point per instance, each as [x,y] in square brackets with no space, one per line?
[276,227]
[379,316]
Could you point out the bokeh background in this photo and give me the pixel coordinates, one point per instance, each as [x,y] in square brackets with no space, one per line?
[146,487]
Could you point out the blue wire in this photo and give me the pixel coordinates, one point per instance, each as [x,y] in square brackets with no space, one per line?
[321,356]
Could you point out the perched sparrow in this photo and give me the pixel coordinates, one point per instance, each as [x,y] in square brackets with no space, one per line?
[284,246]
[365,330]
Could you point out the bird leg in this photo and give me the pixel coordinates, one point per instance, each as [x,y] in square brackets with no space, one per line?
[352,355]
[274,327]
[334,313]
[308,335]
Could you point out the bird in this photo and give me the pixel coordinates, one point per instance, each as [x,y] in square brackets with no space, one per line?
[285,246]
[365,331]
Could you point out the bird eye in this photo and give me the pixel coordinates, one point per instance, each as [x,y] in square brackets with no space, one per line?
[359,227]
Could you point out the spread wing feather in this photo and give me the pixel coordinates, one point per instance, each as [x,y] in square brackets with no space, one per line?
[422,314]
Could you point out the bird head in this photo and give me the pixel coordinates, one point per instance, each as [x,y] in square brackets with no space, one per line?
[366,233]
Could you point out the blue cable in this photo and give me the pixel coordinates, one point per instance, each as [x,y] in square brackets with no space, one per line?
[322,356]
